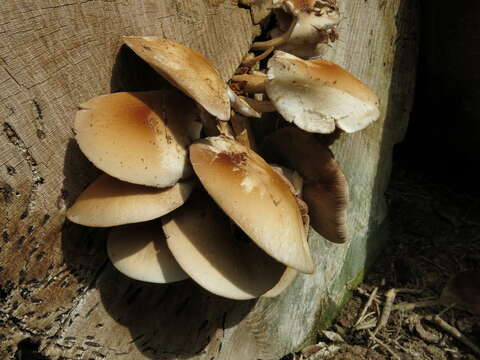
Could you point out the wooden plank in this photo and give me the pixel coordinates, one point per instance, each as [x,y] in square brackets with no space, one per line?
[55,54]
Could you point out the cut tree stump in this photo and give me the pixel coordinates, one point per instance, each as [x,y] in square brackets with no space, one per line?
[59,295]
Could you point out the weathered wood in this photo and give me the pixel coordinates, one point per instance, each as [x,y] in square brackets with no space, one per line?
[56,285]
[55,54]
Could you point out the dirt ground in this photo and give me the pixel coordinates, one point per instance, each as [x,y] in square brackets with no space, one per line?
[435,234]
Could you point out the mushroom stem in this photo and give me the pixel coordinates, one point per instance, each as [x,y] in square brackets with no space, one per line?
[250,60]
[251,83]
[224,128]
[261,106]
[240,105]
[279,40]
[243,131]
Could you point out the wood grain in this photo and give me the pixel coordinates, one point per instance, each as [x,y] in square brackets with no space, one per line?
[57,289]
[55,54]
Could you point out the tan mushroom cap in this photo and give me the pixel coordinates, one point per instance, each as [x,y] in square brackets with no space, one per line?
[325,188]
[140,252]
[139,137]
[317,95]
[186,69]
[111,202]
[201,239]
[255,197]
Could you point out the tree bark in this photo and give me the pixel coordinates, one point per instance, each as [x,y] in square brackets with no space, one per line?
[59,295]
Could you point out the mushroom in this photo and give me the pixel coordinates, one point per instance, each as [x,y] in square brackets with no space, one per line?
[139,137]
[110,202]
[317,95]
[463,291]
[185,69]
[325,188]
[255,197]
[140,252]
[201,239]
[305,27]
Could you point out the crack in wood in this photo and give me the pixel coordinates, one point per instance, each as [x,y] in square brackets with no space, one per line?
[37,179]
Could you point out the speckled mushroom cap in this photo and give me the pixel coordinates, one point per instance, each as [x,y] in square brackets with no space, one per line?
[139,137]
[140,252]
[111,202]
[200,237]
[255,197]
[186,69]
[325,188]
[318,95]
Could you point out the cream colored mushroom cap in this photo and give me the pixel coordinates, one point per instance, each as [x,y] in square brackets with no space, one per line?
[317,95]
[255,197]
[201,239]
[139,137]
[186,69]
[111,202]
[140,252]
[325,188]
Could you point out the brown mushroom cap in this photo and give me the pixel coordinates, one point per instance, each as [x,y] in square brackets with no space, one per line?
[325,188]
[139,137]
[463,291]
[201,239]
[140,252]
[317,95]
[111,202]
[255,197]
[186,69]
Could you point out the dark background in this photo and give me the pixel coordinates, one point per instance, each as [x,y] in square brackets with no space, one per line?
[443,137]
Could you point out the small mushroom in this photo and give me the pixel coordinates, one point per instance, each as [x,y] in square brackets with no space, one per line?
[317,95]
[325,188]
[201,239]
[139,137]
[140,252]
[111,202]
[305,27]
[463,291]
[255,197]
[185,69]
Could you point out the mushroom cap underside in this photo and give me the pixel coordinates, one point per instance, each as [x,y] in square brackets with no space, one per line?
[111,202]
[201,238]
[318,95]
[140,252]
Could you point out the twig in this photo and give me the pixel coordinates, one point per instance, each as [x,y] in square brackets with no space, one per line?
[416,320]
[407,306]
[362,316]
[437,320]
[385,346]
[387,308]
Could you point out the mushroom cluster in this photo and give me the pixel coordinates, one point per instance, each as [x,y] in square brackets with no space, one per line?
[185,188]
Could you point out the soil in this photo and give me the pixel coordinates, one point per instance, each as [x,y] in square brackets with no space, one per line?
[435,233]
